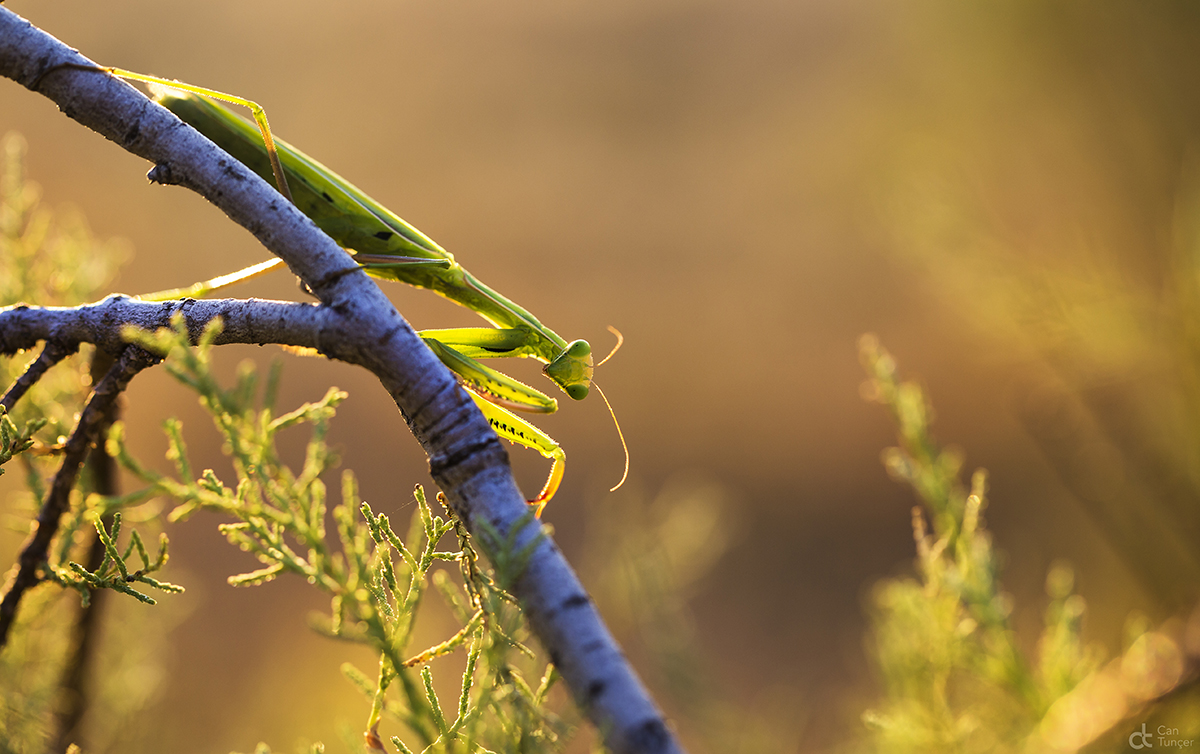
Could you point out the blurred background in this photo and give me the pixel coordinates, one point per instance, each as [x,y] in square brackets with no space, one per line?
[1006,193]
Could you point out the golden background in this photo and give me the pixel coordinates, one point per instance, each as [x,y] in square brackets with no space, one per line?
[998,190]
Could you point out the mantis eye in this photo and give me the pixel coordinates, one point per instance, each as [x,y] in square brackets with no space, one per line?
[578,391]
[579,349]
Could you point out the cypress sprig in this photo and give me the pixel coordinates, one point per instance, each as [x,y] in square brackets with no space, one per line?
[376,580]
[114,572]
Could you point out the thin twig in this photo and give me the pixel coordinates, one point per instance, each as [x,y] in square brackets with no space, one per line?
[51,354]
[34,552]
[77,674]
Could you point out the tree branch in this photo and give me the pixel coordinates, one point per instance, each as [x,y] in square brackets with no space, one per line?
[79,668]
[95,414]
[357,323]
[50,355]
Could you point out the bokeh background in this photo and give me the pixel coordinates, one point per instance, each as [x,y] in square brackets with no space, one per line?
[1005,193]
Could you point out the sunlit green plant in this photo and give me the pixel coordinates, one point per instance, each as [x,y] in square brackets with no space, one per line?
[375,579]
[955,676]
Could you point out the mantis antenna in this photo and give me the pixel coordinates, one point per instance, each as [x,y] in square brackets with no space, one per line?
[613,414]
[617,347]
[620,434]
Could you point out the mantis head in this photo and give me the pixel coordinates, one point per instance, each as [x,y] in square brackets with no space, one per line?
[572,369]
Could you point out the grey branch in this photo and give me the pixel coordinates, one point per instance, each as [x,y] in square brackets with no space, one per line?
[245,321]
[356,323]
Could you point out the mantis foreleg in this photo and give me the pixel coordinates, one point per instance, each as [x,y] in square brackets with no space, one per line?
[512,427]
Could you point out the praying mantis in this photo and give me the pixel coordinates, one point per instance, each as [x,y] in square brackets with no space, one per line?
[388,247]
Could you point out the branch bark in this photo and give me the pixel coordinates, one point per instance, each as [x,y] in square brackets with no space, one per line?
[355,322]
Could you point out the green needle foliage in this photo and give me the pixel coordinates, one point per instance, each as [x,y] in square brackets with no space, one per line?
[375,579]
[114,572]
[13,439]
[46,257]
[955,676]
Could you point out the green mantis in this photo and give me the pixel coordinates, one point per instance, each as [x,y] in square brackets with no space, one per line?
[388,247]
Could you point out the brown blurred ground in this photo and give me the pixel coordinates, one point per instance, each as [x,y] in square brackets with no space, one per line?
[743,189]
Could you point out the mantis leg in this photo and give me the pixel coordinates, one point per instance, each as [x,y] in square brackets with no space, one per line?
[494,393]
[515,429]
[260,115]
[200,290]
[486,342]
[490,384]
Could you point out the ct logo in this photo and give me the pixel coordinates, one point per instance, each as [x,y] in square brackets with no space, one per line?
[1145,740]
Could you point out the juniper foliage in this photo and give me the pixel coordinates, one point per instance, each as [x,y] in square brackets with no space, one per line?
[375,579]
[954,672]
